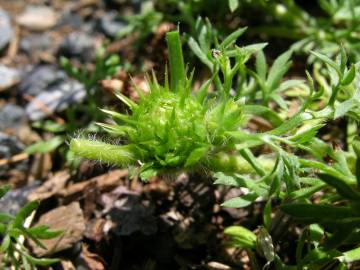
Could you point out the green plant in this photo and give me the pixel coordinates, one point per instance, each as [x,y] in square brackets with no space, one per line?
[172,129]
[13,232]
[331,23]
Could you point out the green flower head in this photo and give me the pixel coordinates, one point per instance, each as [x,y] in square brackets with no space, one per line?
[170,129]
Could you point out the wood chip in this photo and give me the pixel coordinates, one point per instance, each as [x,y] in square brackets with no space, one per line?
[67,218]
[51,187]
[67,265]
[92,260]
[103,182]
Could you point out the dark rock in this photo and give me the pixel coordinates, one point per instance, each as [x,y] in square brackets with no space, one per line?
[15,199]
[78,45]
[8,77]
[39,78]
[129,214]
[6,30]
[135,4]
[11,116]
[35,42]
[70,19]
[110,25]
[56,98]
[10,146]
[194,195]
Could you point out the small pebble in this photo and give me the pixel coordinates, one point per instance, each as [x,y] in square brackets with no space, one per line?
[39,78]
[11,116]
[38,18]
[110,25]
[15,199]
[8,77]
[56,98]
[10,146]
[72,20]
[35,42]
[6,30]
[78,45]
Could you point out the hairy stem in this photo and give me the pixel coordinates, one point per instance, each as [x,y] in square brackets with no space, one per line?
[115,154]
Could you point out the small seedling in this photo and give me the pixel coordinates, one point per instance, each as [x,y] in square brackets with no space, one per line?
[13,231]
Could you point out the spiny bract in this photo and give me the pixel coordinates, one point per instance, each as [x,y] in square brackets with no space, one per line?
[170,129]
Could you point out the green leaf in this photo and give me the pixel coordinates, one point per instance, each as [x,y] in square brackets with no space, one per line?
[344,107]
[305,192]
[194,46]
[261,66]
[240,202]
[319,255]
[241,237]
[177,67]
[316,212]
[233,5]
[349,76]
[49,125]
[351,255]
[316,233]
[196,155]
[356,145]
[42,261]
[43,232]
[267,214]
[328,61]
[148,171]
[306,134]
[5,217]
[290,124]
[277,70]
[341,187]
[265,243]
[264,112]
[338,238]
[4,189]
[5,243]
[45,146]
[230,39]
[24,213]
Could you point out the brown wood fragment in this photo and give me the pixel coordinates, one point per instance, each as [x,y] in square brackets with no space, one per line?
[67,218]
[92,260]
[67,265]
[51,187]
[103,182]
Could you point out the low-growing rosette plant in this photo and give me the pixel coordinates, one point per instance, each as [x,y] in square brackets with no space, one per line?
[173,128]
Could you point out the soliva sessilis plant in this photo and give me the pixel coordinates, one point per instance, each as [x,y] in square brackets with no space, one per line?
[173,129]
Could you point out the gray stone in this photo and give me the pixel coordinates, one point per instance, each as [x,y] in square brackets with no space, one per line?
[78,45]
[38,79]
[73,20]
[8,77]
[35,42]
[110,25]
[10,146]
[6,30]
[38,18]
[11,116]
[55,99]
[15,199]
